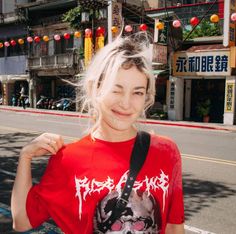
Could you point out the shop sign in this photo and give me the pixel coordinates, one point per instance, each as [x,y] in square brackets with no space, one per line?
[172,95]
[229,100]
[159,53]
[214,63]
[117,15]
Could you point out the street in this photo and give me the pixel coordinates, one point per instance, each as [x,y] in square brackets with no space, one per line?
[208,156]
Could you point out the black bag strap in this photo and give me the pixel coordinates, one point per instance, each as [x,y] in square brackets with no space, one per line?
[138,156]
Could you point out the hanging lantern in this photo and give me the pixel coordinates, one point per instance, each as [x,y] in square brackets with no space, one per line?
[143,27]
[194,21]
[160,25]
[176,24]
[1,45]
[88,32]
[214,18]
[128,28]
[6,43]
[20,41]
[66,36]
[29,39]
[77,34]
[57,37]
[233,17]
[13,42]
[114,29]
[46,38]
[36,39]
[100,31]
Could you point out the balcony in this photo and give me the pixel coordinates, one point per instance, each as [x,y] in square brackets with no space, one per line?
[58,61]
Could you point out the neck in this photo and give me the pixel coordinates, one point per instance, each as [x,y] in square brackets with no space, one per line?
[114,135]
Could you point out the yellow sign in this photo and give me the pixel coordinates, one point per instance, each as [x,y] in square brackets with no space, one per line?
[229,97]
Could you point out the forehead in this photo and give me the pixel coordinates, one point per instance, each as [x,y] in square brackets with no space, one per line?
[131,76]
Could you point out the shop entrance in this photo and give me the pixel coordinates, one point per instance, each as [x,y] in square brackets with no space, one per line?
[208,92]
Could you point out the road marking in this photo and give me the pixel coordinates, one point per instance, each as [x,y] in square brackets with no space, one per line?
[209,159]
[197,230]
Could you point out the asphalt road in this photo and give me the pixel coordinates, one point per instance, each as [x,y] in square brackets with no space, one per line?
[209,166]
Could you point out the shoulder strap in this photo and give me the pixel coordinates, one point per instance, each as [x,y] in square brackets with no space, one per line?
[138,156]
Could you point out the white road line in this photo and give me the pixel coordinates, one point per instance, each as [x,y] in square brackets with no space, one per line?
[197,230]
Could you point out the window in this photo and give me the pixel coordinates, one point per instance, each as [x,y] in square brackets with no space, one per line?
[63,45]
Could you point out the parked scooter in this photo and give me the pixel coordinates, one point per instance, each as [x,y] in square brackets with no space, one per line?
[42,102]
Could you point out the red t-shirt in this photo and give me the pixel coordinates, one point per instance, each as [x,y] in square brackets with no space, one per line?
[83,178]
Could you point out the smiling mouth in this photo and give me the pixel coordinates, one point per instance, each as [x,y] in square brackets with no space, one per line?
[121,114]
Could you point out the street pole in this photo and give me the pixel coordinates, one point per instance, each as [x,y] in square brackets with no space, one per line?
[109,20]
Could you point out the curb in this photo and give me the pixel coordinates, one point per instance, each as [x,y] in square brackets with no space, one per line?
[148,121]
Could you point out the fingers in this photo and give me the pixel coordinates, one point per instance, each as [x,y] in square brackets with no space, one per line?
[54,141]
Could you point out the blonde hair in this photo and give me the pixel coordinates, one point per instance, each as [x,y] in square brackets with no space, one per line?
[123,52]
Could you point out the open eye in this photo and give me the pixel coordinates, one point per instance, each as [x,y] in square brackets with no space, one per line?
[117,226]
[138,226]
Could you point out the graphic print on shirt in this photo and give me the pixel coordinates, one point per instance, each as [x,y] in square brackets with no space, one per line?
[86,187]
[141,215]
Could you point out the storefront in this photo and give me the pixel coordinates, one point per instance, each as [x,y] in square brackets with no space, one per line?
[202,85]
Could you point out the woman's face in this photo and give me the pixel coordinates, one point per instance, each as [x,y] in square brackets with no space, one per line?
[124,103]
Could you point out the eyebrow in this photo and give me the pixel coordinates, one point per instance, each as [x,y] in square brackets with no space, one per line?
[138,87]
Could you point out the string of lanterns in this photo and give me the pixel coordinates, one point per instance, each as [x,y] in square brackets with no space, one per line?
[101,31]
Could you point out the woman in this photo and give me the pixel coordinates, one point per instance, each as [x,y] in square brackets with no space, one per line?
[83,177]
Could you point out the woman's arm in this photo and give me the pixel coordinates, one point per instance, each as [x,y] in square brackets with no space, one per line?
[174,228]
[42,145]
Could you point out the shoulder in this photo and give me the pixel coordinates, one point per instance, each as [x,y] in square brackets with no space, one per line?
[165,146]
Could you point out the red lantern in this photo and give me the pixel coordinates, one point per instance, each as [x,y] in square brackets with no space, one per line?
[6,43]
[128,28]
[114,29]
[13,42]
[176,24]
[20,41]
[100,31]
[29,39]
[88,32]
[214,18]
[66,36]
[1,45]
[143,27]
[77,34]
[233,17]
[37,39]
[194,21]
[57,37]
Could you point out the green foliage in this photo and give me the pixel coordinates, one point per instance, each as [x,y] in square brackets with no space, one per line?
[73,17]
[204,29]
[203,108]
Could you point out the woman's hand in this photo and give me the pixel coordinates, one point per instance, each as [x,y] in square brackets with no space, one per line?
[47,143]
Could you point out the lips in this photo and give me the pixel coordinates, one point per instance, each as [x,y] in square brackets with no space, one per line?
[122,114]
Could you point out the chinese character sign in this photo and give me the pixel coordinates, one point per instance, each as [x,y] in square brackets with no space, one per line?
[202,64]
[229,97]
[117,15]
[159,53]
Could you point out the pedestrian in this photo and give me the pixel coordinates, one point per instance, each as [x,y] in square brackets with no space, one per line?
[22,95]
[89,185]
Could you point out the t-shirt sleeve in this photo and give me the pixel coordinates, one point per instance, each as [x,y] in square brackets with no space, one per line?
[43,196]
[176,209]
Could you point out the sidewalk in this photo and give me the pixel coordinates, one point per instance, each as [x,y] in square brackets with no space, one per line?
[213,126]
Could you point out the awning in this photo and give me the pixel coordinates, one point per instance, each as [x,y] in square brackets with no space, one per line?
[161,15]
[200,48]
[160,72]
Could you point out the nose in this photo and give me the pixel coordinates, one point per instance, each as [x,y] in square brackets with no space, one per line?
[125,101]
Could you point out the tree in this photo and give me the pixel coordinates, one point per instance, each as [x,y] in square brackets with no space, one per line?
[204,29]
